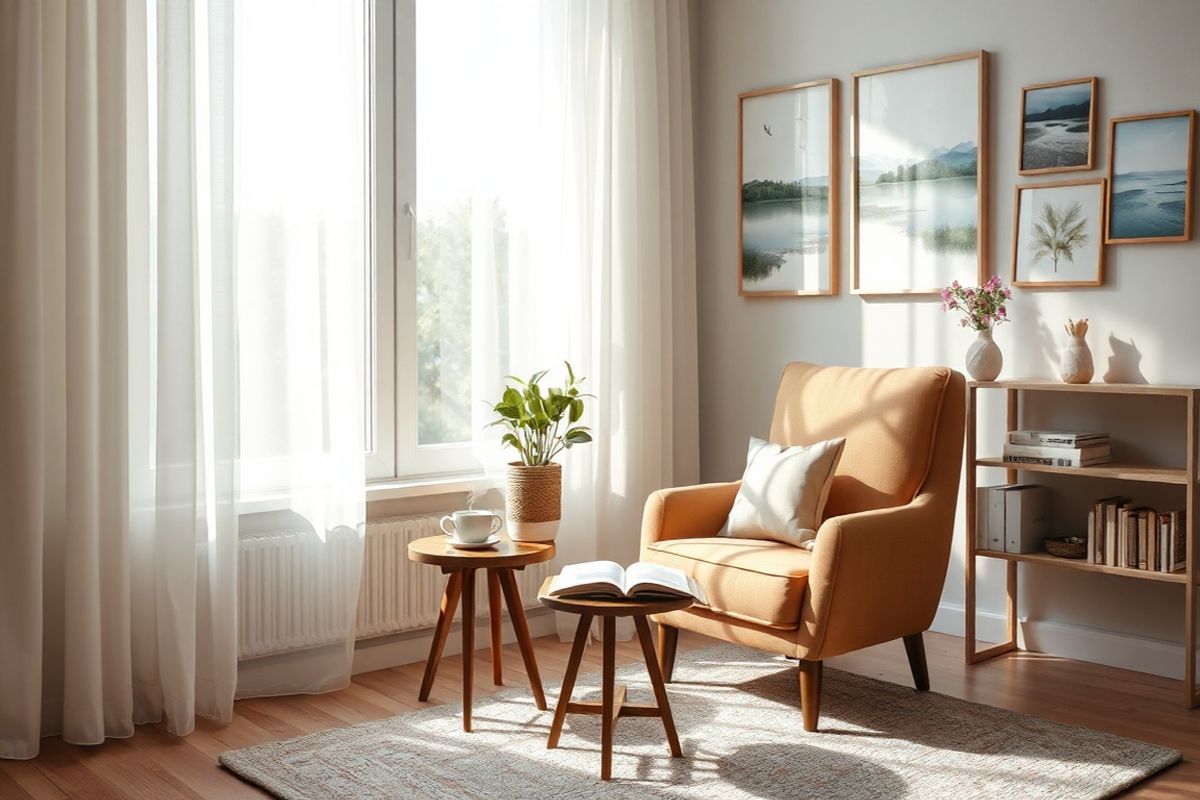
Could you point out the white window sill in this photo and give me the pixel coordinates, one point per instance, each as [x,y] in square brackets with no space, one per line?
[431,485]
[422,486]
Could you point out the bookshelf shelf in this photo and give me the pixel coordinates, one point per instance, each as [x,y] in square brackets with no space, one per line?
[1156,389]
[1124,472]
[1085,566]
[1185,476]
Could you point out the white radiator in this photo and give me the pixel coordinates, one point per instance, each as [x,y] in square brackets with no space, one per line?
[290,598]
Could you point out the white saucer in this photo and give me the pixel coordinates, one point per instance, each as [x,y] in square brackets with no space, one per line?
[492,540]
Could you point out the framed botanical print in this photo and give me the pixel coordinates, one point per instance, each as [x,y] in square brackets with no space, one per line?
[920,175]
[1058,234]
[1150,166]
[1058,126]
[788,190]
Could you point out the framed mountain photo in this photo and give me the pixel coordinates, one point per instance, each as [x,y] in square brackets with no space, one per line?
[1150,166]
[788,198]
[1058,126]
[920,175]
[1058,234]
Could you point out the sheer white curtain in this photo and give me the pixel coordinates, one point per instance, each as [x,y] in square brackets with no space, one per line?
[588,150]
[182,237]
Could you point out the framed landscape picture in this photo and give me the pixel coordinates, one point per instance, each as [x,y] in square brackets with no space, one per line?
[1058,125]
[1150,166]
[1058,234]
[920,180]
[788,190]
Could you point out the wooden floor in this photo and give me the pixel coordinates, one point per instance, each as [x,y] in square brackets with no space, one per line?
[153,764]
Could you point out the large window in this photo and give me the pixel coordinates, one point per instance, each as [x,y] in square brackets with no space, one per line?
[433,237]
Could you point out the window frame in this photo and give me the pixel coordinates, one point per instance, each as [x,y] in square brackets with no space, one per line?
[393,450]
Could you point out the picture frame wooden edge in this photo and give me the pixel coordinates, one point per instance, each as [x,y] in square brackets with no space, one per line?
[834,195]
[1103,182]
[1091,162]
[982,171]
[1191,175]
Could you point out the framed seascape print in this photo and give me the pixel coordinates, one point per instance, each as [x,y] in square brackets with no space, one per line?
[1058,125]
[788,192]
[920,181]
[1058,234]
[1150,178]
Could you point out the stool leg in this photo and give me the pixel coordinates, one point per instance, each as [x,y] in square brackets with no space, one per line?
[445,618]
[516,612]
[493,581]
[568,684]
[607,718]
[468,640]
[656,681]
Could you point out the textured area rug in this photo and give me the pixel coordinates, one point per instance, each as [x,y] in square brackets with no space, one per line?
[738,717]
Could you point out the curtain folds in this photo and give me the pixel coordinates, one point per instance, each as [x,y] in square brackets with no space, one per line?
[596,134]
[589,155]
[181,331]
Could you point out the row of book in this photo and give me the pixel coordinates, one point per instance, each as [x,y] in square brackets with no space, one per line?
[1123,535]
[1057,448]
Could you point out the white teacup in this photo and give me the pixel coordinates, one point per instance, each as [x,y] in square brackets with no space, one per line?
[471,526]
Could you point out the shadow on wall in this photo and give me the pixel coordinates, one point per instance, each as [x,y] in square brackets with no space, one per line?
[1124,363]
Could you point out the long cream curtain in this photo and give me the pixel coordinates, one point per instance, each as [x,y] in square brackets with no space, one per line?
[181,331]
[589,155]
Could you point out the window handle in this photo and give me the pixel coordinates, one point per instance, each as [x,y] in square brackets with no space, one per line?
[411,213]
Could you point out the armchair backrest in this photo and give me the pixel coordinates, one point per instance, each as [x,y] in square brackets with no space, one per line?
[890,418]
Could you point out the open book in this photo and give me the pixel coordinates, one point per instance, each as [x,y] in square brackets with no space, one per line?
[640,580]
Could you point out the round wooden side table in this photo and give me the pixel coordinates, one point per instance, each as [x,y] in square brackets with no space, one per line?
[499,561]
[612,704]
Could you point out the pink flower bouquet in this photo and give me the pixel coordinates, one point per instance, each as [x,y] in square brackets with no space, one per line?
[982,307]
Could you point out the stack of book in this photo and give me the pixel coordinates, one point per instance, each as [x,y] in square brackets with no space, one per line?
[1123,535]
[1057,448]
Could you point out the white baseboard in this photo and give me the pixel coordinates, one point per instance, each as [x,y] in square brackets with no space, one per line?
[1077,642]
[413,646]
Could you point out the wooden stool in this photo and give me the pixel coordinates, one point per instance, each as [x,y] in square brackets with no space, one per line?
[612,705]
[499,561]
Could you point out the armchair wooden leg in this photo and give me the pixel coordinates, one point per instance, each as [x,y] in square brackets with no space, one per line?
[810,693]
[914,645]
[668,638]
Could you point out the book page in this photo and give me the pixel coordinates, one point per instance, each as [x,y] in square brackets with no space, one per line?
[650,578]
[646,574]
[590,576]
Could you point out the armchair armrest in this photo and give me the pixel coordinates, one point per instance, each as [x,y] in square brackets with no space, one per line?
[878,575]
[687,512]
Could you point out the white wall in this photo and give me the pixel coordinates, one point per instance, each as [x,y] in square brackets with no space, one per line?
[1147,59]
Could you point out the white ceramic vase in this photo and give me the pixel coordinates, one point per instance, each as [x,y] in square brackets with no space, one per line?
[1077,365]
[984,359]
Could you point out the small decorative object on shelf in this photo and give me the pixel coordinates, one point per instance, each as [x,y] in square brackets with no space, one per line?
[1077,364]
[539,427]
[1067,546]
[983,307]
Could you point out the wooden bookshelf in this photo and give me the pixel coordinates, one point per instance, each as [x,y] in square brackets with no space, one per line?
[1185,476]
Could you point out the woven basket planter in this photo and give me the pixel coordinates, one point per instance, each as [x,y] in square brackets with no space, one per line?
[533,502]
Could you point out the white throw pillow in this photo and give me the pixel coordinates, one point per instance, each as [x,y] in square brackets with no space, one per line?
[783,492]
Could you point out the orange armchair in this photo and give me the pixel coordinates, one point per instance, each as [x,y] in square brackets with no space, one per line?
[876,570]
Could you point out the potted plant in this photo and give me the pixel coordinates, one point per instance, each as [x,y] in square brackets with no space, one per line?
[538,425]
[982,307]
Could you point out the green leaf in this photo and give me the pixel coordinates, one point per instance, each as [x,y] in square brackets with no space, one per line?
[577,436]
[576,410]
[570,372]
